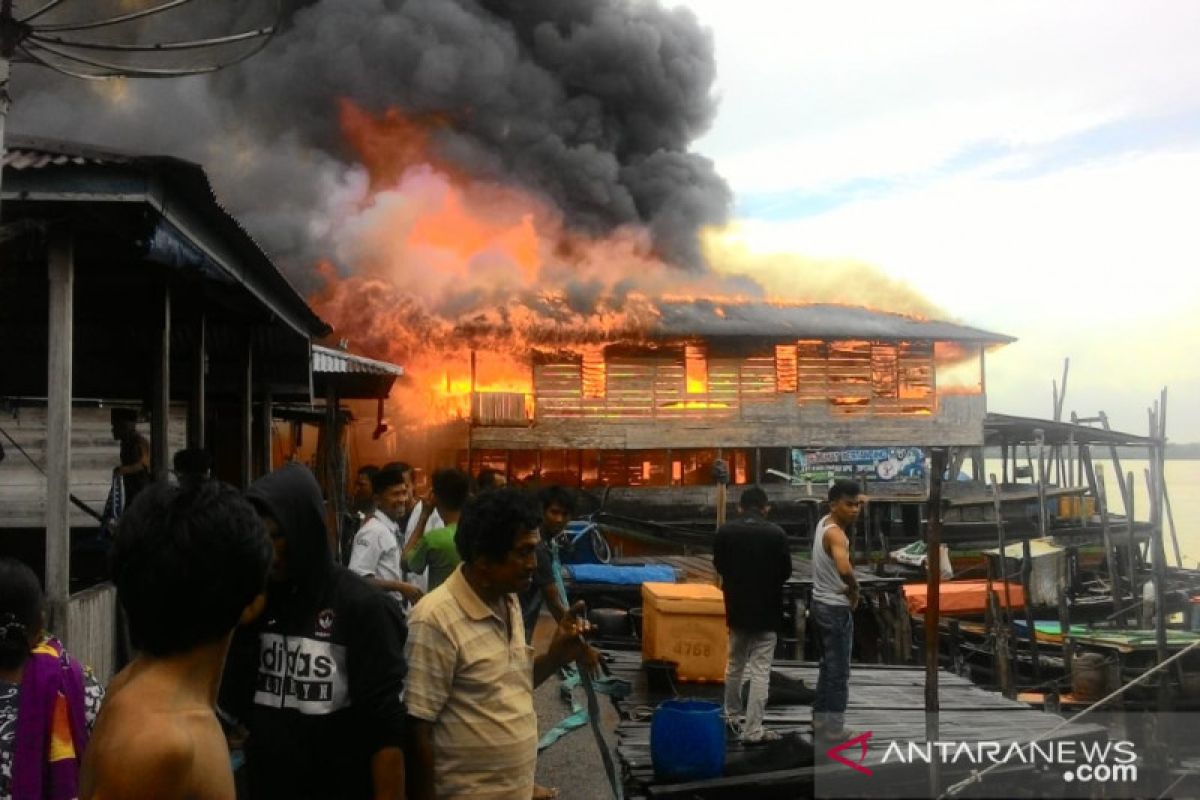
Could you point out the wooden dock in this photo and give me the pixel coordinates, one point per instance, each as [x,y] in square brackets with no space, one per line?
[887,701]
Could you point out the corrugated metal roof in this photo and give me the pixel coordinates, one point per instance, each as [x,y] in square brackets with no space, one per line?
[30,153]
[329,360]
[1008,429]
[713,319]
[25,154]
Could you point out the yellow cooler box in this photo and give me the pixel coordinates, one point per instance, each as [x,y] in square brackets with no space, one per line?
[685,623]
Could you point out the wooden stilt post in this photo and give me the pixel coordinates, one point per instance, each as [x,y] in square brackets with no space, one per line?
[196,408]
[1026,588]
[1157,432]
[933,578]
[160,401]
[1171,522]
[1111,553]
[1007,616]
[61,274]
[266,442]
[1130,546]
[246,413]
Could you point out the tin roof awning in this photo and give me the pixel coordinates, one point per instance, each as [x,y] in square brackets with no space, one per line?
[1001,429]
[189,231]
[351,376]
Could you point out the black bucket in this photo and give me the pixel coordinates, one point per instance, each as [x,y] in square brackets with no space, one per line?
[661,676]
[635,621]
[611,623]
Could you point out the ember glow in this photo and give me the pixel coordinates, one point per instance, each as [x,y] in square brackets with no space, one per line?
[460,278]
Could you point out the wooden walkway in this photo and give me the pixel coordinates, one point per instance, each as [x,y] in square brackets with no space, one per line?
[887,701]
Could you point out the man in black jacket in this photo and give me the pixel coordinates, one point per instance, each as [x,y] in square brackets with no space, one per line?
[751,555]
[318,679]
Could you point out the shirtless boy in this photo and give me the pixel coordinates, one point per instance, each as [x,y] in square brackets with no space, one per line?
[189,565]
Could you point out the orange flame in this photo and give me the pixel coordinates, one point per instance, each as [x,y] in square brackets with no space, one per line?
[458,278]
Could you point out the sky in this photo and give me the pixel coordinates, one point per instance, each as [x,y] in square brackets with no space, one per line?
[1030,167]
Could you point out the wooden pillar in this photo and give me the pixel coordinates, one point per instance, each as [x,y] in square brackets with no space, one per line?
[1009,652]
[60,327]
[246,415]
[265,443]
[1026,575]
[196,407]
[1114,572]
[333,477]
[933,577]
[160,400]
[1158,545]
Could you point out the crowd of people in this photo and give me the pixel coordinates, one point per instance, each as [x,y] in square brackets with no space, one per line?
[390,662]
[392,659]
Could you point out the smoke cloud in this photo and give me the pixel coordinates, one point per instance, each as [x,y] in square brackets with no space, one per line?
[587,105]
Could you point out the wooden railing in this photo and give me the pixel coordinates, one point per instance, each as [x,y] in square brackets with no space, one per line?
[91,635]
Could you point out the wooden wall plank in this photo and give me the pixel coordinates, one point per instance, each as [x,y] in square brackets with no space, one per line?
[93,455]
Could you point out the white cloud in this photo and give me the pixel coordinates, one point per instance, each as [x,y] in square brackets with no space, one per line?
[1092,257]
[815,94]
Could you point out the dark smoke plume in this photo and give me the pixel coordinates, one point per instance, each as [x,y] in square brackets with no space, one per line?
[590,104]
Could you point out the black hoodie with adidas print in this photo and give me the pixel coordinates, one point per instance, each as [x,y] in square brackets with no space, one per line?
[318,679]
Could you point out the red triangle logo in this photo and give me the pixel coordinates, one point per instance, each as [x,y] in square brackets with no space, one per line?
[860,740]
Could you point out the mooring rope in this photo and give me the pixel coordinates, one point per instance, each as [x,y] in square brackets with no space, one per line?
[976,777]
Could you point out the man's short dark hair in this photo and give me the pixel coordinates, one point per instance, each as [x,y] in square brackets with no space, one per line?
[399,466]
[491,521]
[488,479]
[370,470]
[122,419]
[753,498]
[187,563]
[844,487]
[554,495]
[451,488]
[20,611]
[385,479]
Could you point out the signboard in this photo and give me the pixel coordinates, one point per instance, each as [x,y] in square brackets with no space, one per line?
[873,463]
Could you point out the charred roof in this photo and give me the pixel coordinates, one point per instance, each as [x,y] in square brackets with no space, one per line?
[716,320]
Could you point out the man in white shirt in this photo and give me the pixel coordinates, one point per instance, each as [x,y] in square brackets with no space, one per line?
[377,545]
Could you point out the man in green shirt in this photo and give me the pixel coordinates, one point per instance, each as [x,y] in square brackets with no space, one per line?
[436,549]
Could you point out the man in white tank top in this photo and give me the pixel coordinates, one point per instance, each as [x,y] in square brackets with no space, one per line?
[835,596]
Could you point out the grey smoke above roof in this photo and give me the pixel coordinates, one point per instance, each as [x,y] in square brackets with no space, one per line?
[590,104]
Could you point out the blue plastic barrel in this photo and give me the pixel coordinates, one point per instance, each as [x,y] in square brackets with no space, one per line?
[687,740]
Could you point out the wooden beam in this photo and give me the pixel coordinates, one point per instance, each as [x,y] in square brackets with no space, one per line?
[160,399]
[60,326]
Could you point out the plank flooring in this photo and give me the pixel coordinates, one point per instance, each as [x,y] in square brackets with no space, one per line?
[886,700]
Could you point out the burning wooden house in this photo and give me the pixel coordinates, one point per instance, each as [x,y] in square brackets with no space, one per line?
[771,390]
